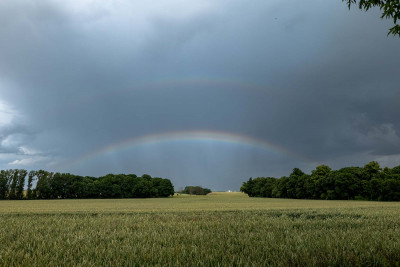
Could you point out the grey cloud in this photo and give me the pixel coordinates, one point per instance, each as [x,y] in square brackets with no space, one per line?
[12,137]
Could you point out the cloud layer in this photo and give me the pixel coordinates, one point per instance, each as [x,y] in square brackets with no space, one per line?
[309,76]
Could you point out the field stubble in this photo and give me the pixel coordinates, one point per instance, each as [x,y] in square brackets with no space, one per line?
[220,229]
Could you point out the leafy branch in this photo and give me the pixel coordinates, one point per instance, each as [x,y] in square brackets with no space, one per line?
[390,10]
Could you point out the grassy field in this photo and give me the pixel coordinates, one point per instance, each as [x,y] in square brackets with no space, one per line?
[224,229]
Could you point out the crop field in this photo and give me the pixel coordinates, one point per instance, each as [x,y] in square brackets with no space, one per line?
[225,229]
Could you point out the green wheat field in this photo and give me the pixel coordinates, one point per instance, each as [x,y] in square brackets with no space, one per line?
[220,229]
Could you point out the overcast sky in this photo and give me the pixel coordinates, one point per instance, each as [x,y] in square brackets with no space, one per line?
[202,92]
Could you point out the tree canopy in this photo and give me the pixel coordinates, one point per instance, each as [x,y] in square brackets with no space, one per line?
[196,190]
[390,10]
[49,185]
[368,183]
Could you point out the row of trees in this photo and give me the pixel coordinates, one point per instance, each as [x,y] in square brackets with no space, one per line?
[369,183]
[196,190]
[49,185]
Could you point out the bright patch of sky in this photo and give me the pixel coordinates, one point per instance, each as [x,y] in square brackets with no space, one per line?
[7,113]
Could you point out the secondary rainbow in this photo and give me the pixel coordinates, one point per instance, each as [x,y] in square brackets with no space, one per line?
[191,136]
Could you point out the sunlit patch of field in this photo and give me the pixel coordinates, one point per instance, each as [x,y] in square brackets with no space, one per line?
[218,229]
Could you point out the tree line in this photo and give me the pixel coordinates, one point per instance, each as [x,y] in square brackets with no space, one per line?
[196,190]
[370,182]
[49,185]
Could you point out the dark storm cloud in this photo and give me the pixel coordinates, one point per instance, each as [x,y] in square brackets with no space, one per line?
[309,76]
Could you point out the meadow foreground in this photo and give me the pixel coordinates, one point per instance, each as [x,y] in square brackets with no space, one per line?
[218,229]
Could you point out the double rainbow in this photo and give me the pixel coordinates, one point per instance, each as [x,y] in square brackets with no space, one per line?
[189,136]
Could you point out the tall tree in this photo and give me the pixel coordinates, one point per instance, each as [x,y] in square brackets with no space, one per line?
[20,184]
[29,193]
[372,170]
[43,189]
[3,184]
[13,184]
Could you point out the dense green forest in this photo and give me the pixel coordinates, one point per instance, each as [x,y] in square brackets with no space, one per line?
[49,185]
[196,190]
[368,183]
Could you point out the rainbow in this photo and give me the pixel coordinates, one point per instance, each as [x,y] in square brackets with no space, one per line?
[205,81]
[192,136]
